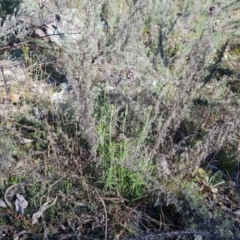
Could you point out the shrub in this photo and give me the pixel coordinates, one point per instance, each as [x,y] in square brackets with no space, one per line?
[151,94]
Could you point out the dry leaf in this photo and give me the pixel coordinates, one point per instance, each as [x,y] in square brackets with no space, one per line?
[26,141]
[42,209]
[18,237]
[21,203]
[2,204]
[14,98]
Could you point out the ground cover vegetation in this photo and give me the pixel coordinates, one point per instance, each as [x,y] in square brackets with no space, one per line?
[119,119]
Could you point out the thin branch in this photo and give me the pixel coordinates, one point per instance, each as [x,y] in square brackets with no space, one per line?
[105,211]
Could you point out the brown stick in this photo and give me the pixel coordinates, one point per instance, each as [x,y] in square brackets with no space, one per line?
[7,89]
